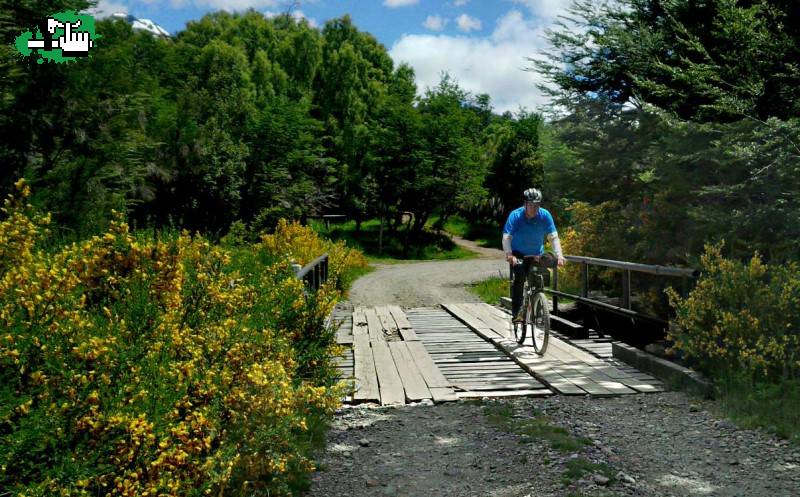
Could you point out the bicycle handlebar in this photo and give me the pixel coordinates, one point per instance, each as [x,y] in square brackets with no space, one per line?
[531,258]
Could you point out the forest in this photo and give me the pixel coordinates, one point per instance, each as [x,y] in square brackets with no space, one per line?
[675,121]
[672,137]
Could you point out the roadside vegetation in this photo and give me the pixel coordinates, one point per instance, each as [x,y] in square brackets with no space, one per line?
[161,363]
[394,246]
[491,289]
[741,326]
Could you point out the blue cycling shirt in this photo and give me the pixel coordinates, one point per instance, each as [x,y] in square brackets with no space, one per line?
[528,234]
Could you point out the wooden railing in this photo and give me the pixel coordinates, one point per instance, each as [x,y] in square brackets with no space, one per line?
[627,268]
[315,273]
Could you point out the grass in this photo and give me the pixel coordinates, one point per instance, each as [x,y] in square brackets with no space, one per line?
[490,290]
[774,407]
[483,233]
[429,246]
[579,467]
[352,275]
[537,427]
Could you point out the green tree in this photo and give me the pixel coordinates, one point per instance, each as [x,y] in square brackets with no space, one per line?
[351,86]
[450,172]
[516,160]
[715,60]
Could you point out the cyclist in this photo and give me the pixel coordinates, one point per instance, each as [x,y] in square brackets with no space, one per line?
[524,234]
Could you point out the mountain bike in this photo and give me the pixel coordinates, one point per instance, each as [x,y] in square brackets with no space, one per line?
[534,316]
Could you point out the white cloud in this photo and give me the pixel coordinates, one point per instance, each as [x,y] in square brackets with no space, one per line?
[231,5]
[435,23]
[392,4]
[468,23]
[460,3]
[493,64]
[296,14]
[546,9]
[105,8]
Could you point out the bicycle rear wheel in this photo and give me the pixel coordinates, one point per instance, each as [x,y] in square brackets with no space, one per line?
[538,316]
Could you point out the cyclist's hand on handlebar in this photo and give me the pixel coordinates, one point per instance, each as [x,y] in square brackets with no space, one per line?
[511,259]
[561,261]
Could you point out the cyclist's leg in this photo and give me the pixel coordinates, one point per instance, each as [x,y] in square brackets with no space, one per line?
[517,285]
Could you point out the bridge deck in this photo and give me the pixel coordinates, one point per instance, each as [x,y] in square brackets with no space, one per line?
[463,350]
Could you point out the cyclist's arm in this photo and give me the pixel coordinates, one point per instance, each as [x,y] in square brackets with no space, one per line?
[556,243]
[507,247]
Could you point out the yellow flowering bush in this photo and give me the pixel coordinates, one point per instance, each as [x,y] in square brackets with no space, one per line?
[302,245]
[591,234]
[154,366]
[741,317]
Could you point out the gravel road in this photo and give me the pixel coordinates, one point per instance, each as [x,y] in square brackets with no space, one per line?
[667,444]
[427,283]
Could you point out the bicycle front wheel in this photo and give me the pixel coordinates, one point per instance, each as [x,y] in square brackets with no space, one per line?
[520,327]
[539,322]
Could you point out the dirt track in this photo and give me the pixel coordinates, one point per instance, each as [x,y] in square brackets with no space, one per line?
[428,283]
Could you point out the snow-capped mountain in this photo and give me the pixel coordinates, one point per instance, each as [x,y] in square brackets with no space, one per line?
[141,24]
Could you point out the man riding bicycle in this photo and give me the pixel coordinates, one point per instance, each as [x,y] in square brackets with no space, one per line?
[523,235]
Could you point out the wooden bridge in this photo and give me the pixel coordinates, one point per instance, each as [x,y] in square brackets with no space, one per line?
[395,356]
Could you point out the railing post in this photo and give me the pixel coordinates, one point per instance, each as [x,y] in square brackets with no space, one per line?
[626,289]
[584,280]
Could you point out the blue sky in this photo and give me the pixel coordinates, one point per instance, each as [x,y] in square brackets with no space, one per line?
[482,43]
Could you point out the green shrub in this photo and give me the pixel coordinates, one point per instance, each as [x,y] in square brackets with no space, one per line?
[741,317]
[134,365]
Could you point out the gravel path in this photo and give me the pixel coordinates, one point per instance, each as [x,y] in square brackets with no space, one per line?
[667,444]
[419,284]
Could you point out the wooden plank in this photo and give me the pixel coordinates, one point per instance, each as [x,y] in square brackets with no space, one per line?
[359,321]
[477,325]
[466,360]
[391,386]
[408,334]
[404,326]
[480,369]
[413,383]
[646,387]
[400,317]
[443,394]
[501,386]
[374,326]
[430,372]
[466,356]
[484,313]
[366,384]
[521,375]
[344,329]
[459,346]
[344,337]
[386,320]
[504,393]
